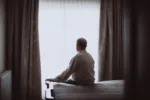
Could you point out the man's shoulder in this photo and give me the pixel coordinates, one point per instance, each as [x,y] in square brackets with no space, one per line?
[81,55]
[78,55]
[75,58]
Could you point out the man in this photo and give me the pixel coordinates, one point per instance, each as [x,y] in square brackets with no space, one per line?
[81,67]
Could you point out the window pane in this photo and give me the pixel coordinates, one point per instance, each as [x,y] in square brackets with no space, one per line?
[61,23]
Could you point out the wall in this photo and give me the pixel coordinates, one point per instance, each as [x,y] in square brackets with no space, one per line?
[2,33]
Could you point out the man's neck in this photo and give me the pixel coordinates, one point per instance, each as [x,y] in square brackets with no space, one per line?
[82,50]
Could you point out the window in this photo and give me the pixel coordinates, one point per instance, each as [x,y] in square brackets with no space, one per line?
[61,23]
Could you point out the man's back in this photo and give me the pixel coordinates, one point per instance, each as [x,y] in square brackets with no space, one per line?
[84,73]
[81,67]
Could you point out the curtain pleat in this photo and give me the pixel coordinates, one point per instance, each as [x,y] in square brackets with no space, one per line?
[110,43]
[137,49]
[23,49]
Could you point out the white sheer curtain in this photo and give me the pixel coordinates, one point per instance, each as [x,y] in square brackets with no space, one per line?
[61,23]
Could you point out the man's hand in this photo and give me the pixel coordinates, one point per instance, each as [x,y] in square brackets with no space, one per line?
[50,80]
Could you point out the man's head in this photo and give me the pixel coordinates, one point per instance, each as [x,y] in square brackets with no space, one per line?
[81,44]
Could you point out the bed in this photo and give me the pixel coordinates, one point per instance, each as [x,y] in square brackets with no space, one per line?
[105,90]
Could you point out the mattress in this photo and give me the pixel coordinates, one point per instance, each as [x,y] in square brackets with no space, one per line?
[105,90]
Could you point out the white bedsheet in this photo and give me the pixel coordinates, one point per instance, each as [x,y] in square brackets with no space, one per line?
[105,90]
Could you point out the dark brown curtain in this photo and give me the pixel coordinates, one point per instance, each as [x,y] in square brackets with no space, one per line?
[137,49]
[23,49]
[110,43]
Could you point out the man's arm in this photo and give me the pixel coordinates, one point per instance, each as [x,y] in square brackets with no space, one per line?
[66,73]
